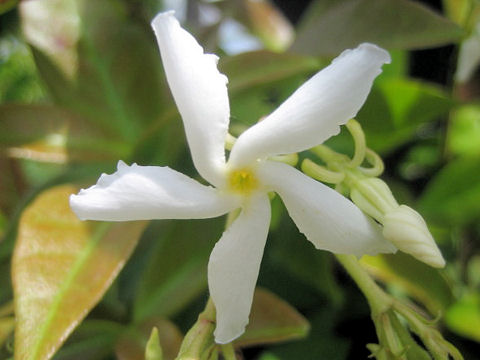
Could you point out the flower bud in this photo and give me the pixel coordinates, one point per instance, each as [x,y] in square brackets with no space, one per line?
[407,230]
[153,350]
[374,197]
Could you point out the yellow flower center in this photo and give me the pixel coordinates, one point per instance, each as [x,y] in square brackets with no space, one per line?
[242,181]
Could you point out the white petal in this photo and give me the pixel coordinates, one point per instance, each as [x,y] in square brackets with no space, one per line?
[329,220]
[315,111]
[200,93]
[406,228]
[233,268]
[149,192]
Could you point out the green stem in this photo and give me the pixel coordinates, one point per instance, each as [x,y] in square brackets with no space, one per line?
[379,301]
[199,338]
[228,352]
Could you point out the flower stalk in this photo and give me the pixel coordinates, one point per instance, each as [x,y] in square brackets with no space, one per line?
[198,343]
[405,228]
[395,341]
[228,351]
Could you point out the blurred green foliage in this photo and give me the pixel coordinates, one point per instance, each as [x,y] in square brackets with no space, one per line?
[82,86]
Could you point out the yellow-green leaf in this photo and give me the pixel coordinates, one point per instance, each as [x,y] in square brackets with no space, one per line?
[272,320]
[463,317]
[464,131]
[61,268]
[452,196]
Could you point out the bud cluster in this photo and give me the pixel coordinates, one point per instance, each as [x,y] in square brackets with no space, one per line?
[402,225]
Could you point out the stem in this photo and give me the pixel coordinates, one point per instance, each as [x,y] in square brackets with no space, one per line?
[200,337]
[228,352]
[378,300]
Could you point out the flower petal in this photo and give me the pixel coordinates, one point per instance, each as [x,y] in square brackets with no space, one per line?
[149,192]
[200,93]
[233,268]
[329,220]
[315,111]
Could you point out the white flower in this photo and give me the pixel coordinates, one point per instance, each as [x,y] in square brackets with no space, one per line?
[308,117]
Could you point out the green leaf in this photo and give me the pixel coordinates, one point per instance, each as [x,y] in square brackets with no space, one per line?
[306,262]
[464,131]
[131,346]
[51,134]
[6,5]
[119,85]
[248,107]
[260,80]
[92,340]
[19,79]
[323,341]
[393,24]
[272,320]
[420,161]
[453,195]
[397,107]
[463,317]
[414,101]
[61,268]
[398,68]
[268,356]
[176,272]
[248,70]
[420,281]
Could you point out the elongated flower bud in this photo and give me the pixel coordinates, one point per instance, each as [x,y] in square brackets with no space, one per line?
[407,230]
[402,225]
